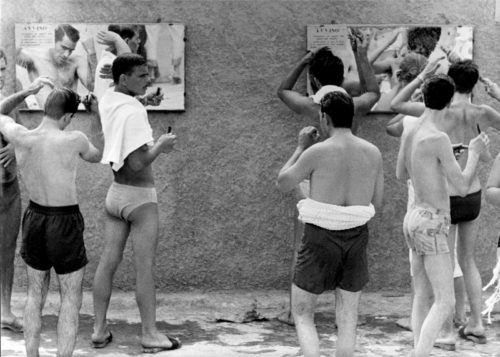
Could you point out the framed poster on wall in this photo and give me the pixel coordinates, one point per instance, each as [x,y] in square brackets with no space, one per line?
[71,56]
[397,52]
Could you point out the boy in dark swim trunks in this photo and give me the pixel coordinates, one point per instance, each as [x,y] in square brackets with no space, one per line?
[346,176]
[52,224]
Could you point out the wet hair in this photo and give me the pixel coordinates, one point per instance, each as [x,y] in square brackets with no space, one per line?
[61,101]
[438,91]
[339,107]
[465,75]
[326,68]
[423,40]
[410,67]
[125,31]
[68,30]
[125,64]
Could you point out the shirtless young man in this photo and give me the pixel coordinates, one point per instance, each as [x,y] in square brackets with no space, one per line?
[326,69]
[58,63]
[327,73]
[131,203]
[461,124]
[347,180]
[52,224]
[426,157]
[10,207]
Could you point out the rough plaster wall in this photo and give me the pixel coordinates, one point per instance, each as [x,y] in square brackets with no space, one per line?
[223,223]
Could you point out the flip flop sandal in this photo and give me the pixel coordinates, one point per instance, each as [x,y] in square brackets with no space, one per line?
[479,339]
[15,325]
[104,343]
[176,343]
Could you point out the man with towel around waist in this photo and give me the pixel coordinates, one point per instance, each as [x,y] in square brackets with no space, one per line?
[131,203]
[347,180]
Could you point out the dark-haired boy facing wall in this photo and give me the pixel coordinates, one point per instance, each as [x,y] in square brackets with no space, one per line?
[52,224]
[347,181]
[461,124]
[426,157]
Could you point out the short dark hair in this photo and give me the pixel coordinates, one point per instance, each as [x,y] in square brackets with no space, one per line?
[465,75]
[339,107]
[438,91]
[125,31]
[68,30]
[61,101]
[423,40]
[327,68]
[125,64]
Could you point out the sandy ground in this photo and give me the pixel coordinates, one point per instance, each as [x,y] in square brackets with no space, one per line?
[240,323]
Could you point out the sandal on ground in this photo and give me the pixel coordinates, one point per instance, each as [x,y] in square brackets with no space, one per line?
[480,339]
[176,343]
[103,343]
[447,346]
[15,325]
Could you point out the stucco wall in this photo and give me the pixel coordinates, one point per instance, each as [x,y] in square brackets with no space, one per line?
[223,222]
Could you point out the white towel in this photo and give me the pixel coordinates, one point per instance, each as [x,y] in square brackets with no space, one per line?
[125,126]
[333,217]
[324,90]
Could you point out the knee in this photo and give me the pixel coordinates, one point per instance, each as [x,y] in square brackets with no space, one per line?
[446,303]
[302,309]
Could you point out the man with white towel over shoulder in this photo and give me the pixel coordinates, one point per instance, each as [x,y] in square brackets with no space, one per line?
[347,181]
[131,202]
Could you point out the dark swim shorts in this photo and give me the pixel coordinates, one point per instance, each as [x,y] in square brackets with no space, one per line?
[464,209]
[53,237]
[330,259]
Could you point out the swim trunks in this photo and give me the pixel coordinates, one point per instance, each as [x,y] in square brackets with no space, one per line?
[426,230]
[122,200]
[53,237]
[329,259]
[464,209]
[10,211]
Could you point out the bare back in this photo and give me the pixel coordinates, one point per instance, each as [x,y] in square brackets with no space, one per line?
[462,126]
[48,160]
[346,171]
[419,156]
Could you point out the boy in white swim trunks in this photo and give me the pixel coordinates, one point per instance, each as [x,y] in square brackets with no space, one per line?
[131,204]
[426,157]
[346,183]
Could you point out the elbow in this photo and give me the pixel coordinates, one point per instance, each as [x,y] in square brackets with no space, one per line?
[280,94]
[282,185]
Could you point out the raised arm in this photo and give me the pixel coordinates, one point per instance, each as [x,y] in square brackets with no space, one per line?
[295,101]
[11,102]
[461,180]
[299,165]
[113,41]
[367,80]
[401,102]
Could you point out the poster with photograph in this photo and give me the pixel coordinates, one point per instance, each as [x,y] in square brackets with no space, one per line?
[78,56]
[397,52]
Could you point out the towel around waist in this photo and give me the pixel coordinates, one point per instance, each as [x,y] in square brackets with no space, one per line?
[334,217]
